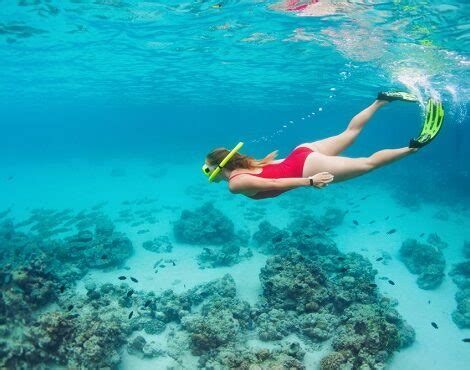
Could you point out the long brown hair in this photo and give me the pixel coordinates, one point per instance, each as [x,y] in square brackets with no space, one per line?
[238,160]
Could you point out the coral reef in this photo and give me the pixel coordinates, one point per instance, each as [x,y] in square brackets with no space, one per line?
[161,244]
[424,260]
[227,254]
[466,249]
[436,241]
[308,235]
[461,276]
[204,225]
[326,297]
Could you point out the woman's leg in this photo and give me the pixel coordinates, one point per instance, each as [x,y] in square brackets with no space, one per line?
[344,168]
[336,144]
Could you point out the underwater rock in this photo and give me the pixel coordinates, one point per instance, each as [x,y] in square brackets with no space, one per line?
[160,244]
[204,225]
[424,260]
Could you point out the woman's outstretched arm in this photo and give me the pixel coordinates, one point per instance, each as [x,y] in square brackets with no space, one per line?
[253,184]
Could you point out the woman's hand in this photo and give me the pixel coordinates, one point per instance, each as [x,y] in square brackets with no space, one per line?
[322,179]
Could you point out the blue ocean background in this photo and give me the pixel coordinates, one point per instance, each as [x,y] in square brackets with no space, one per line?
[110,101]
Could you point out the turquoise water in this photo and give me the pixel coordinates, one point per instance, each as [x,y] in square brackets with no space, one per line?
[108,109]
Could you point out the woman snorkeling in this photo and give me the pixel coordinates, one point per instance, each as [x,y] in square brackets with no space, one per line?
[317,163]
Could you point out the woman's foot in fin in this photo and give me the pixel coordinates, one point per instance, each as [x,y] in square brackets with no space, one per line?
[432,124]
[390,96]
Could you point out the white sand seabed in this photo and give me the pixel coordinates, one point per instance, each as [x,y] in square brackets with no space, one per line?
[78,185]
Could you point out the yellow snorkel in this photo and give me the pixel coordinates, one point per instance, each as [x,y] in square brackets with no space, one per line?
[213,173]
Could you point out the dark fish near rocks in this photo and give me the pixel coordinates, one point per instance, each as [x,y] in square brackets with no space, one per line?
[277,239]
[392,231]
[466,340]
[62,288]
[207,250]
[70,307]
[130,292]
[131,314]
[379,259]
[391,282]
[104,256]
[344,269]
[373,285]
[134,280]
[122,277]
[72,316]
[341,258]
[147,303]
[434,325]
[355,222]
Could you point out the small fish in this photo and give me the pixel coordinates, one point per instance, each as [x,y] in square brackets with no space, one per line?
[277,239]
[391,282]
[373,221]
[173,262]
[341,258]
[104,256]
[134,280]
[122,277]
[207,250]
[373,285]
[392,231]
[72,316]
[62,288]
[130,292]
[147,303]
[379,259]
[375,232]
[70,307]
[364,198]
[387,217]
[421,235]
[434,325]
[344,269]
[466,340]
[130,315]
[429,302]
[307,235]
[355,222]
